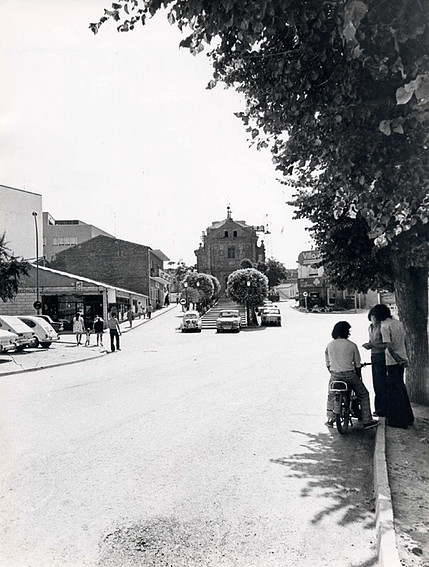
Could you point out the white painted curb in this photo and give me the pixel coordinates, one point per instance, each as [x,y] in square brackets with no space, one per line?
[387,550]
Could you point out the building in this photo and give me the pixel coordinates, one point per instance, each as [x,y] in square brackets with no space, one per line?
[63,294]
[225,244]
[119,263]
[315,290]
[20,217]
[62,234]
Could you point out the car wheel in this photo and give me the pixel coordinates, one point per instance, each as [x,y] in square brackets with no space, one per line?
[20,348]
[45,345]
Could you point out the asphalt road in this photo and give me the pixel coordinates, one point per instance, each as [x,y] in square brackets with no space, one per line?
[185,450]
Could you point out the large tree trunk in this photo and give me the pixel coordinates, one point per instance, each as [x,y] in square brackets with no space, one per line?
[411,291]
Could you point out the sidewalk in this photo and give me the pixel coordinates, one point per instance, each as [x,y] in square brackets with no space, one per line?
[65,351]
[401,474]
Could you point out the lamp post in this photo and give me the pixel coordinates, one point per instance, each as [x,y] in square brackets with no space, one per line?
[247,303]
[37,262]
[198,287]
[185,285]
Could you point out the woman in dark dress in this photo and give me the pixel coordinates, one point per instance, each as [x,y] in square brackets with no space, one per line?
[378,362]
[397,405]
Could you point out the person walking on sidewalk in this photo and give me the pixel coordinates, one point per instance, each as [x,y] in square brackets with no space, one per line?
[397,403]
[149,310]
[99,329]
[78,327]
[378,362]
[343,361]
[114,330]
[130,316]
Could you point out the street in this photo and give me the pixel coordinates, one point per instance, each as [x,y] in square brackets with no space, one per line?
[187,449]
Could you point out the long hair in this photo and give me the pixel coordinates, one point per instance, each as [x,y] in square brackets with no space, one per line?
[380,311]
[341,330]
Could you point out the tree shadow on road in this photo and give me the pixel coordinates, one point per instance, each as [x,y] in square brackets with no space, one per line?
[339,469]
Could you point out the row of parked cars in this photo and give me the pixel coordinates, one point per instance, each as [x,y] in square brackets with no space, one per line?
[24,331]
[230,319]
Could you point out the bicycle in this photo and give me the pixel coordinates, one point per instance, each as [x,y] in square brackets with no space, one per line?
[346,404]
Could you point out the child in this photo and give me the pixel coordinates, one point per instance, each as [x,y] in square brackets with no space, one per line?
[88,337]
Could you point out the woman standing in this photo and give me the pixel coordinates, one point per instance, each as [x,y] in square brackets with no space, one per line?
[378,362]
[78,327]
[397,405]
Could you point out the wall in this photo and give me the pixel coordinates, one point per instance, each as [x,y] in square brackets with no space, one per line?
[109,260]
[16,218]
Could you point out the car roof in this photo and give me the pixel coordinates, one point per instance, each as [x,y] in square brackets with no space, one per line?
[191,313]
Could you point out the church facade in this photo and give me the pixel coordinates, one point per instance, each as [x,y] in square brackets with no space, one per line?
[225,244]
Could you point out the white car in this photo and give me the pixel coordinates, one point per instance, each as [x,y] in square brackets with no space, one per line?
[271,316]
[228,320]
[7,341]
[26,337]
[45,333]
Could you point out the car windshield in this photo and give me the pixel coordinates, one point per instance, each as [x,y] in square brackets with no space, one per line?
[191,316]
[229,313]
[272,310]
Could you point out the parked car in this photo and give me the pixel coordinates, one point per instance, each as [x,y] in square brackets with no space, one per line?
[228,320]
[7,341]
[26,337]
[266,303]
[58,326]
[271,316]
[45,334]
[191,322]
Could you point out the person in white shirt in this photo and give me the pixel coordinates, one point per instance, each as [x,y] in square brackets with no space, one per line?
[398,409]
[343,362]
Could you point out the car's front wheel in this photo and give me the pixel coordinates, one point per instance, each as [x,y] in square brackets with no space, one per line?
[45,345]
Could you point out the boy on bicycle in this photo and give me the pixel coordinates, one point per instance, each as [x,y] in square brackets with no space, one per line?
[343,361]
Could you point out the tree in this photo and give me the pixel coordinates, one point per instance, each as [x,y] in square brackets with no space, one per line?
[274,270]
[11,271]
[248,287]
[338,90]
[200,286]
[246,263]
[216,286]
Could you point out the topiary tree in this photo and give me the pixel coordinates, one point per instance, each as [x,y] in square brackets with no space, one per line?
[201,286]
[216,287]
[248,287]
[339,93]
[11,271]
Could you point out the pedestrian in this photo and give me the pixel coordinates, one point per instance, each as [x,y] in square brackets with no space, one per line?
[149,310]
[99,329]
[167,301]
[158,304]
[78,327]
[114,330]
[397,403]
[130,316]
[378,362]
[343,361]
[88,337]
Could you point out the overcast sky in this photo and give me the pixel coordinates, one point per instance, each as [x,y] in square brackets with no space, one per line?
[118,130]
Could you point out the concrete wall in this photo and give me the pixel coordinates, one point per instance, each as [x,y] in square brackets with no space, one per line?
[17,220]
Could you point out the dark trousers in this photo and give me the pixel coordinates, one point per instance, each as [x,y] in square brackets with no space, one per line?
[398,408]
[378,366]
[114,335]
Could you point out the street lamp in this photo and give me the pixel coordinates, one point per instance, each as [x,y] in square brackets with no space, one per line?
[247,303]
[37,262]
[185,285]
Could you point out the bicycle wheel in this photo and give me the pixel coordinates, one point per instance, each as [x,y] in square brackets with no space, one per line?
[342,418]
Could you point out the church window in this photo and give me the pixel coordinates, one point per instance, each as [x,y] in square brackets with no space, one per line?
[231,252]
[226,234]
[235,234]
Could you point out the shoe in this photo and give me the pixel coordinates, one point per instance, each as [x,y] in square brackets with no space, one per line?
[371,425]
[329,423]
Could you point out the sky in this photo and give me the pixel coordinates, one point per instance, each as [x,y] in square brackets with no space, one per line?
[119,131]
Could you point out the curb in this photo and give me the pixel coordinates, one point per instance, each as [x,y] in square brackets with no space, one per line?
[386,538]
[44,367]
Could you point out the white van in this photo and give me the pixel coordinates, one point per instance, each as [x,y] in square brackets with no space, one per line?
[26,337]
[44,332]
